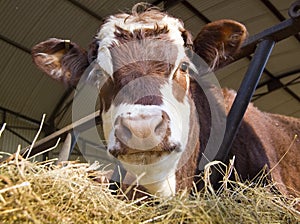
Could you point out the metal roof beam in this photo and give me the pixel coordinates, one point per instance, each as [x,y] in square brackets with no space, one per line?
[196,11]
[167,4]
[85,9]
[283,75]
[277,13]
[15,44]
[18,135]
[37,122]
[285,87]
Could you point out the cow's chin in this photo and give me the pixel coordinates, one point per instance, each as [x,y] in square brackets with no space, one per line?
[144,157]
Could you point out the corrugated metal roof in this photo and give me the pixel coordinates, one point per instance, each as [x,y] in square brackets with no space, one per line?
[181,12]
[268,102]
[239,10]
[205,4]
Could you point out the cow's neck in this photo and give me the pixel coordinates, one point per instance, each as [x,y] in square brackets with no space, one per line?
[204,119]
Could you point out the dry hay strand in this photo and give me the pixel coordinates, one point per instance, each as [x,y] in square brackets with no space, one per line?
[32,192]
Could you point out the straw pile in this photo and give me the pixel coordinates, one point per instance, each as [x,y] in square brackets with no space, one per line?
[32,192]
[42,192]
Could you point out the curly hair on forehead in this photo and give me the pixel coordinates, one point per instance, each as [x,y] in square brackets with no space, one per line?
[144,8]
[146,12]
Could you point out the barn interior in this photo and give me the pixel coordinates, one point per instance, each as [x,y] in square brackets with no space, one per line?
[27,93]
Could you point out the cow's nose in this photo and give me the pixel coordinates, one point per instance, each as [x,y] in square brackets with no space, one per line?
[141,131]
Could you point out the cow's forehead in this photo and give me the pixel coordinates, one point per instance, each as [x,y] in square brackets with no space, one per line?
[170,31]
[127,22]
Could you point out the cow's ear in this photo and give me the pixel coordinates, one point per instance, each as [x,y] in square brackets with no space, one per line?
[61,59]
[187,38]
[219,41]
[93,50]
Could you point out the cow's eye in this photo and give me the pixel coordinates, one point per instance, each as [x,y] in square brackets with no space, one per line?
[184,66]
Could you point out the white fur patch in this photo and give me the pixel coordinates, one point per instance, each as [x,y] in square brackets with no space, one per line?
[179,113]
[127,22]
[158,178]
[104,59]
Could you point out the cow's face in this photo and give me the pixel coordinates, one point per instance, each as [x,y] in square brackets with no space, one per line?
[145,100]
[148,114]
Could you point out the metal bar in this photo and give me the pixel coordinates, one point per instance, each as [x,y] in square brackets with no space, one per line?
[277,80]
[278,32]
[240,104]
[65,150]
[74,141]
[4,117]
[23,128]
[277,13]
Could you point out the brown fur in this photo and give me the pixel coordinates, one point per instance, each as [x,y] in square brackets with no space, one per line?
[70,58]
[268,139]
[219,40]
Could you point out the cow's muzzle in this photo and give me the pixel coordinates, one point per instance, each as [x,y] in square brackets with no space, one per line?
[142,133]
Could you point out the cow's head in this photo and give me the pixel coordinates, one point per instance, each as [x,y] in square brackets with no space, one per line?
[148,113]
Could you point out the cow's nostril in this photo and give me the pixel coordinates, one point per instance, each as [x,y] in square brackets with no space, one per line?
[125,131]
[160,129]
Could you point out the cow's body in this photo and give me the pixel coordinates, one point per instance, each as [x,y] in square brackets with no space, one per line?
[270,140]
[156,117]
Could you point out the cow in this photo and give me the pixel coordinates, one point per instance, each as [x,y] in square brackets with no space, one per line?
[155,114]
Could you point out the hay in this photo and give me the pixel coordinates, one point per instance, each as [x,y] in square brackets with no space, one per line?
[32,192]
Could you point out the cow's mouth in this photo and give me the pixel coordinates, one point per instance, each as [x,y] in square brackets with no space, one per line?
[143,157]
